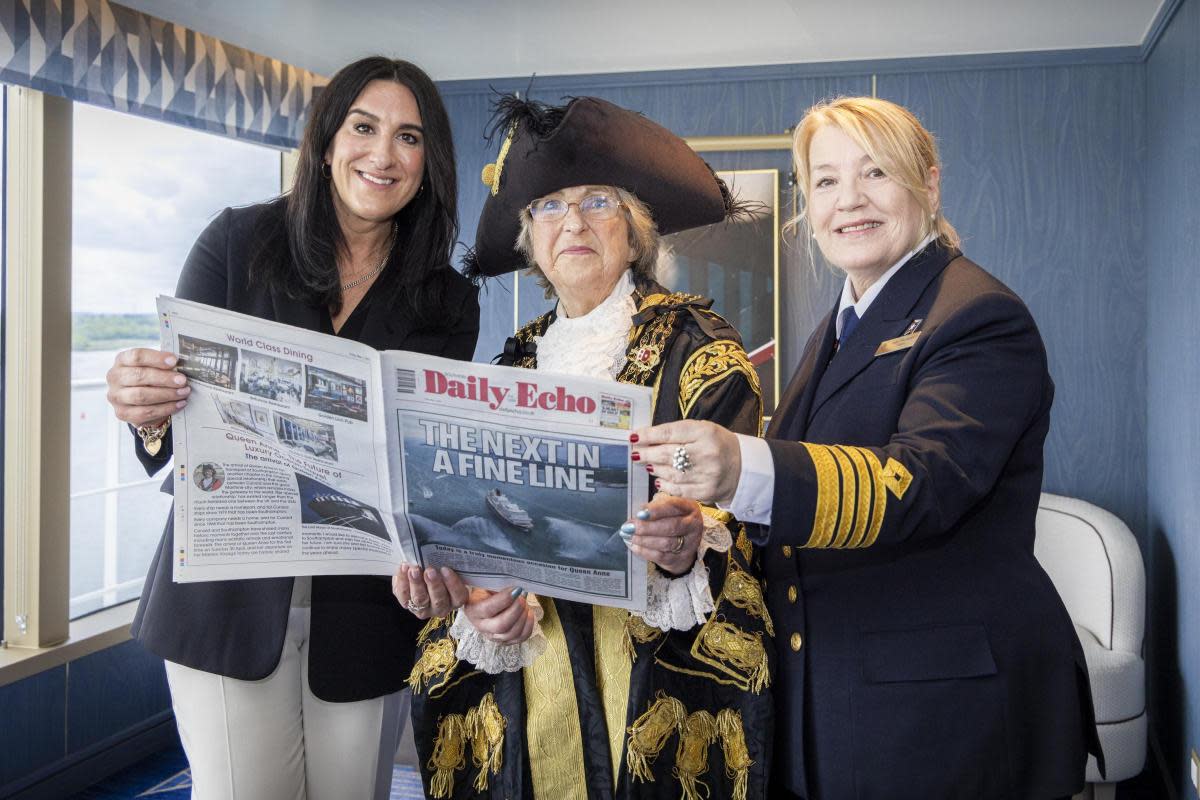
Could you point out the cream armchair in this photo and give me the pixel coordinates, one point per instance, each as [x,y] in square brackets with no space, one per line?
[1094,562]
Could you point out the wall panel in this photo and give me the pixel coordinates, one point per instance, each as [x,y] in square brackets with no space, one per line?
[1042,183]
[1173,365]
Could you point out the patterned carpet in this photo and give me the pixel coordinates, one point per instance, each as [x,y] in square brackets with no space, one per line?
[165,776]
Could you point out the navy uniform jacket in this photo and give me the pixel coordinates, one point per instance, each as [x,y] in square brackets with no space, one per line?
[923,652]
[361,642]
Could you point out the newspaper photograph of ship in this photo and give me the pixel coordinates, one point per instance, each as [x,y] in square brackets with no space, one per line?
[515,492]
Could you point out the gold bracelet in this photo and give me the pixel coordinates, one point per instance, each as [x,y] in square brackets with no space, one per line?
[152,435]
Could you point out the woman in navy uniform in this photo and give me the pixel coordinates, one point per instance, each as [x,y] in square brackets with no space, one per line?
[923,651]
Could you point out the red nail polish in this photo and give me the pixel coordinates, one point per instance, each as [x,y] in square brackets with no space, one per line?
[649,468]
[633,437]
[635,456]
[658,484]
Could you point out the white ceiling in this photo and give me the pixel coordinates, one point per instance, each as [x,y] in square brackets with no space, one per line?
[455,39]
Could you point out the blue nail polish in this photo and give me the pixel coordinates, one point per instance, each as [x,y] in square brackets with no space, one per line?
[643,514]
[517,592]
[627,529]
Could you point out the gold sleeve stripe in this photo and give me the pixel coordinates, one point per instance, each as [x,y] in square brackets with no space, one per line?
[850,491]
[852,494]
[827,491]
[879,497]
[712,364]
[862,510]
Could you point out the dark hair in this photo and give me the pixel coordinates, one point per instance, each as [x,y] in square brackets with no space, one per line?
[427,227]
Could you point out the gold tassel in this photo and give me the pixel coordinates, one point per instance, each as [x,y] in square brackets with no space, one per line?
[737,756]
[448,754]
[637,630]
[485,727]
[649,733]
[436,659]
[429,629]
[736,652]
[691,757]
[743,590]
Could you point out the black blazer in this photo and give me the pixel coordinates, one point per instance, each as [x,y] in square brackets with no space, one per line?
[361,642]
[923,651]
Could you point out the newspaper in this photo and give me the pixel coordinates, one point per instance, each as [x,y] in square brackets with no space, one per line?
[301,453]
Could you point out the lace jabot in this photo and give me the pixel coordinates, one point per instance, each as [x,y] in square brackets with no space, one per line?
[594,344]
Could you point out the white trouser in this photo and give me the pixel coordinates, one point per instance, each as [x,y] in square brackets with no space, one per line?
[273,740]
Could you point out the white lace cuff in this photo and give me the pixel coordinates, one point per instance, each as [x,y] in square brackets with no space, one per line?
[492,657]
[682,603]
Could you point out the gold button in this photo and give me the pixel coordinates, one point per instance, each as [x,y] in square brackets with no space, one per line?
[796,641]
[787,551]
[792,594]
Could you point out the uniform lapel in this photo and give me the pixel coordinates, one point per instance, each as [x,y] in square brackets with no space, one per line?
[797,398]
[884,319]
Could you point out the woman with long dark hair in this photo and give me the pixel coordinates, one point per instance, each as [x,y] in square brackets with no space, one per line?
[282,687]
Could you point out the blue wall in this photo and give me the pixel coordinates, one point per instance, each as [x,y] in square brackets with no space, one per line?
[62,717]
[1172,169]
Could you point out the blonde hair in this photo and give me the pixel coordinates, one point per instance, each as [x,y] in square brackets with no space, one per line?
[892,137]
[643,239]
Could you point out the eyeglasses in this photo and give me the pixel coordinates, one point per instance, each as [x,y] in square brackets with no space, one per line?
[595,206]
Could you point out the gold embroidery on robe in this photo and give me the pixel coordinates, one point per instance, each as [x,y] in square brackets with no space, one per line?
[711,364]
[485,726]
[698,733]
[448,757]
[737,755]
[437,659]
[649,734]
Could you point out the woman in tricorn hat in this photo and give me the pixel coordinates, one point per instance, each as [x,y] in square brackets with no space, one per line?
[518,697]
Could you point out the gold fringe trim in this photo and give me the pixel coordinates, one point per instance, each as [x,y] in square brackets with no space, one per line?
[737,755]
[734,652]
[743,590]
[485,727]
[691,757]
[649,733]
[436,659]
[637,630]
[448,754]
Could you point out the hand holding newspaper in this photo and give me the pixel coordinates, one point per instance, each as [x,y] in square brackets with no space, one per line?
[306,454]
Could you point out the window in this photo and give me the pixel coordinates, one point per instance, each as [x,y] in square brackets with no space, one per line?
[142,192]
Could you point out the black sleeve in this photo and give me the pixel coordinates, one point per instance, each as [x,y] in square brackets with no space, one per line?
[461,341]
[204,279]
[967,406]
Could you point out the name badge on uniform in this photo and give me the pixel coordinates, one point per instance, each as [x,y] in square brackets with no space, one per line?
[897,344]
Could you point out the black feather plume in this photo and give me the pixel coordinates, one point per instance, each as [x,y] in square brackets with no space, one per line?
[736,209]
[537,118]
[470,267]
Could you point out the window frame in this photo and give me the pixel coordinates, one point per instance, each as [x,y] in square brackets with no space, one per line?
[37,397]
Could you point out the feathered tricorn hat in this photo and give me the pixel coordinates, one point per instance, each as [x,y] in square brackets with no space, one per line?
[588,142]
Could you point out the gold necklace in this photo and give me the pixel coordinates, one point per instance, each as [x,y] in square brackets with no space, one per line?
[368,275]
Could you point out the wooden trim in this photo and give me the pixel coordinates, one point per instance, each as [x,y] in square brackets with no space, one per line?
[37,523]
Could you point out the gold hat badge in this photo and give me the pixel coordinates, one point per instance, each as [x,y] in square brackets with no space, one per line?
[491,172]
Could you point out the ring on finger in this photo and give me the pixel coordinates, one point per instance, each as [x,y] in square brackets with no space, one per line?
[680,460]
[678,544]
[415,607]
